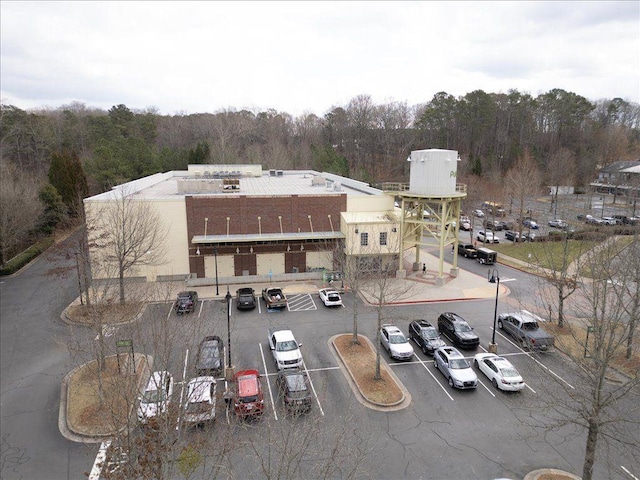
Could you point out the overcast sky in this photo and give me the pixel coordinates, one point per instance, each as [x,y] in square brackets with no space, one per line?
[298,57]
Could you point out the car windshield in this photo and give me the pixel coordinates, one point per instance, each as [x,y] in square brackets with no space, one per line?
[509,372]
[286,346]
[398,338]
[463,327]
[334,297]
[458,363]
[296,383]
[429,333]
[530,326]
[153,396]
[249,399]
[198,407]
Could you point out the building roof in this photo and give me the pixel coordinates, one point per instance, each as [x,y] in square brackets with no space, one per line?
[170,185]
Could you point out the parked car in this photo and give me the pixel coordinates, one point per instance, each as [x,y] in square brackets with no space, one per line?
[486,256]
[455,368]
[465,223]
[456,329]
[248,400]
[530,223]
[511,235]
[478,213]
[294,386]
[210,356]
[557,223]
[245,298]
[495,225]
[186,302]
[156,397]
[395,343]
[591,220]
[488,237]
[499,370]
[525,329]
[528,236]
[611,221]
[330,297]
[200,406]
[425,335]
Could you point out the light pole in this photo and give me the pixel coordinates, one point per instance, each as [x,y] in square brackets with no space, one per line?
[494,277]
[215,256]
[228,298]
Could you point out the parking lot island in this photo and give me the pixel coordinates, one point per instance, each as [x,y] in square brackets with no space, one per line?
[359,362]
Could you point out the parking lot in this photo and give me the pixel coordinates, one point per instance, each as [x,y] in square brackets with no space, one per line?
[440,424]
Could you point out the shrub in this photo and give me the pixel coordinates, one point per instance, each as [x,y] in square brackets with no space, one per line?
[20,260]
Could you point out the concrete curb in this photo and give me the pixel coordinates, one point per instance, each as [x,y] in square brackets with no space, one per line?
[64,316]
[65,430]
[550,471]
[406,396]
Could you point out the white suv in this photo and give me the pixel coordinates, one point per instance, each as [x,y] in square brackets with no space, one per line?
[394,342]
[156,397]
[488,237]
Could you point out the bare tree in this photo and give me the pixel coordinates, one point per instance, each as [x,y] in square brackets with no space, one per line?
[606,410]
[522,182]
[20,208]
[125,233]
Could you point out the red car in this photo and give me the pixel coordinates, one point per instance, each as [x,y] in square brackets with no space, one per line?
[248,400]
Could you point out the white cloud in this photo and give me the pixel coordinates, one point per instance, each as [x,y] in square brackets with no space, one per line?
[309,56]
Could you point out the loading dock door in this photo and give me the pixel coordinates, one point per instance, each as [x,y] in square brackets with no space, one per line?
[225,266]
[270,262]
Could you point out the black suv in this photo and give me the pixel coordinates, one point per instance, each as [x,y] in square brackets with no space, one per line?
[294,385]
[210,356]
[425,335]
[456,329]
[186,302]
[245,298]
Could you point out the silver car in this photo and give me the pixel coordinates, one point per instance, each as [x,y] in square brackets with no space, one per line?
[455,368]
[394,342]
[201,400]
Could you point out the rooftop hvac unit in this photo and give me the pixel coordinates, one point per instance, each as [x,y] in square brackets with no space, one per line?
[272,173]
[279,173]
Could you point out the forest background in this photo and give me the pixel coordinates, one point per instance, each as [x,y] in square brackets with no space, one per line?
[52,158]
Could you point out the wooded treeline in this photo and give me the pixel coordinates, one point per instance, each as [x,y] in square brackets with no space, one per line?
[361,139]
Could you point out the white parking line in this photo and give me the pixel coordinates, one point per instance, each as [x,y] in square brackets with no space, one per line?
[169,312]
[201,307]
[312,387]
[184,378]
[486,388]
[264,363]
[432,375]
[96,471]
[629,473]
[538,362]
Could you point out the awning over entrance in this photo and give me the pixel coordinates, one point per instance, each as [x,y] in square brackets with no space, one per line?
[265,237]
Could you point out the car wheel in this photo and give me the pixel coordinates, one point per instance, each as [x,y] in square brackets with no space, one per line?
[500,324]
[451,382]
[475,362]
[494,383]
[435,364]
[424,350]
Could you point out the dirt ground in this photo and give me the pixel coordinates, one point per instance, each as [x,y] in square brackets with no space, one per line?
[361,360]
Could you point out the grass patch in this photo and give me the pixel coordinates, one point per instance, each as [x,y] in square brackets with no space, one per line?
[20,260]
[87,412]
[361,360]
[543,254]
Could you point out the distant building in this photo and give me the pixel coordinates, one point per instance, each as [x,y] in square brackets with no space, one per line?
[619,178]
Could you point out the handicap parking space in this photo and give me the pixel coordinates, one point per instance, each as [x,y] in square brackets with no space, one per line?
[301,302]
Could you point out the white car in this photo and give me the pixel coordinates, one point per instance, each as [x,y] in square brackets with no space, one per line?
[499,370]
[156,397]
[478,213]
[488,237]
[201,400]
[330,297]
[557,223]
[394,342]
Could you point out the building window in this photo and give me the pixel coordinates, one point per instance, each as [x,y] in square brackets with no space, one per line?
[364,239]
[383,238]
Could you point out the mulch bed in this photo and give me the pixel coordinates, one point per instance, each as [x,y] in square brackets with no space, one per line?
[361,359]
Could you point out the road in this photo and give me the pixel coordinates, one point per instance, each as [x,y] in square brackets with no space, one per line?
[33,361]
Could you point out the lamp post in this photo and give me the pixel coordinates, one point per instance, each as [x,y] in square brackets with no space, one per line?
[228,298]
[494,277]
[215,256]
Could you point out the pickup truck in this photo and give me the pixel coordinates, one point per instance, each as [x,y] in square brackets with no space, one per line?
[274,297]
[467,250]
[285,349]
[524,327]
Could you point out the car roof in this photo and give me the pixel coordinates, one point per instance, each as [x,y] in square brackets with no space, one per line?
[156,380]
[248,383]
[392,329]
[198,389]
